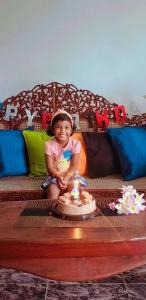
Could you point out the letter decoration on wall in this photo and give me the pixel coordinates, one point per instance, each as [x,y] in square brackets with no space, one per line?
[120,113]
[76,119]
[11,112]
[30,116]
[46,119]
[102,120]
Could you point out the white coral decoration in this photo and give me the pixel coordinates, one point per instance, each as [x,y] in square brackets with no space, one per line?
[130,203]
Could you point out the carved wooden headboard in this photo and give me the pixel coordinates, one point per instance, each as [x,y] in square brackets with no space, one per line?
[14,111]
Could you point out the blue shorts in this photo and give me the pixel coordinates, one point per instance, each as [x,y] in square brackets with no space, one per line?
[50,179]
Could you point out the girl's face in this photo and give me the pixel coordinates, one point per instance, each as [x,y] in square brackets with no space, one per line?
[62,131]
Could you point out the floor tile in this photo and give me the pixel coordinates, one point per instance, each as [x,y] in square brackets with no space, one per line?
[16,285]
[112,279]
[13,276]
[85,291]
[137,275]
[137,291]
[22,292]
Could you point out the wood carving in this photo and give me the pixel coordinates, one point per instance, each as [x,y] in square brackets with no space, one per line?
[52,96]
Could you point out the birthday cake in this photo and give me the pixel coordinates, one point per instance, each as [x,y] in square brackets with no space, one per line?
[84,204]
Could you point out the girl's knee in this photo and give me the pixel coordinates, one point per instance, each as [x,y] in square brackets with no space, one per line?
[53,191]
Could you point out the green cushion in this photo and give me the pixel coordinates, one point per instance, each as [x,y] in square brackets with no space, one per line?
[35,142]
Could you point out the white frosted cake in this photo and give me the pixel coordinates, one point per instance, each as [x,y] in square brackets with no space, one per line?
[85,204]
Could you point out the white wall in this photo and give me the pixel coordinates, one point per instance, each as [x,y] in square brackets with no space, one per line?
[98,45]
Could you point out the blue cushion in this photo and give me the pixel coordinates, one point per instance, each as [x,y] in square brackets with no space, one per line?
[130,144]
[13,153]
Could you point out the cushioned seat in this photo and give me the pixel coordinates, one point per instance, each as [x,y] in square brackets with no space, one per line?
[20,188]
[26,187]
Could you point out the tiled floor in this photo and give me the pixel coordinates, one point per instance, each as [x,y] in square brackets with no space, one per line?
[22,286]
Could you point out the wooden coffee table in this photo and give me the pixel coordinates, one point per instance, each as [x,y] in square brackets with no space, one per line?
[70,251]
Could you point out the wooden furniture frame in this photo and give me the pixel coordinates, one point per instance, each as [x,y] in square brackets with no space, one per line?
[69,253]
[53,96]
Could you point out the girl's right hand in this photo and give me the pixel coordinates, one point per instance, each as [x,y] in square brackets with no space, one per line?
[61,183]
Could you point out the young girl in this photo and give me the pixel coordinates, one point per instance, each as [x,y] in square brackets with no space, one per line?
[62,154]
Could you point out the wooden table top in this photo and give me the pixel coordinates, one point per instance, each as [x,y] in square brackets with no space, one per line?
[94,251]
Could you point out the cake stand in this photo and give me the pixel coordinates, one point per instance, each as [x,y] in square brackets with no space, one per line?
[55,211]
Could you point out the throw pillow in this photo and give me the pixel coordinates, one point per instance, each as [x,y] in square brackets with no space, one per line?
[35,141]
[13,153]
[130,145]
[82,166]
[101,157]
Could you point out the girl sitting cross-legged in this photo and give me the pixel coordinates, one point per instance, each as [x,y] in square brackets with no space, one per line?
[62,154]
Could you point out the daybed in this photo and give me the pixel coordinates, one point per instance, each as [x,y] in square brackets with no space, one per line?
[30,110]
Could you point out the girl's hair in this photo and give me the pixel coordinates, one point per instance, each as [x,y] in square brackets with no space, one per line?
[60,117]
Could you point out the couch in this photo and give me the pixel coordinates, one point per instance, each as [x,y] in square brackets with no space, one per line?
[30,111]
